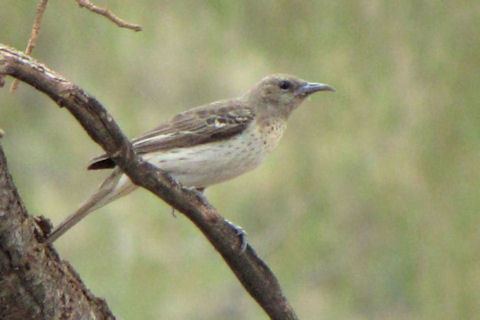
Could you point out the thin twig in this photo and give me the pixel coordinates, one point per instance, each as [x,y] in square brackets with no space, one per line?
[42,5]
[109,15]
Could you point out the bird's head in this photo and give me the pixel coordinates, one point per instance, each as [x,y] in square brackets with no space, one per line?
[280,94]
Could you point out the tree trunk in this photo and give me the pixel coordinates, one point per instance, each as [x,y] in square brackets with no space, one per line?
[34,282]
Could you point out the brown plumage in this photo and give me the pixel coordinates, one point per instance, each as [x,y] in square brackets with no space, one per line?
[216,121]
[208,144]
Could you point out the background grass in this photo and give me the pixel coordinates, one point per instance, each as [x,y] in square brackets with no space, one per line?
[367,210]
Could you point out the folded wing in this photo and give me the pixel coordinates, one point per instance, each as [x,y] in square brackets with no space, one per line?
[205,124]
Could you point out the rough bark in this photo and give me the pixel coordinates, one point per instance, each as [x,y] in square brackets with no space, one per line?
[34,282]
[253,273]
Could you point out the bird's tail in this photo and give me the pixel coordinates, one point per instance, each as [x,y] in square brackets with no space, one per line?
[115,186]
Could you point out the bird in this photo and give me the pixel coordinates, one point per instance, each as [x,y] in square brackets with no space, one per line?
[206,145]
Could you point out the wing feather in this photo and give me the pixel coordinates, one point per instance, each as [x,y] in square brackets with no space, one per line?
[205,124]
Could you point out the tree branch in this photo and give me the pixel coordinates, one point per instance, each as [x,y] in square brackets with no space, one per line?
[32,41]
[252,272]
[109,15]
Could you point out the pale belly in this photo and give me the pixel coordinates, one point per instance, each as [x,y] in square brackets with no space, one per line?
[212,163]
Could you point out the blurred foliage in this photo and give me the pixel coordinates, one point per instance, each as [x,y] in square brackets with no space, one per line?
[367,210]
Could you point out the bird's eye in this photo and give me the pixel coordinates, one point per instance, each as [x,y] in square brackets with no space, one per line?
[284,85]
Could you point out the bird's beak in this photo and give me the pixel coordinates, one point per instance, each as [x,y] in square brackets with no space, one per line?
[312,87]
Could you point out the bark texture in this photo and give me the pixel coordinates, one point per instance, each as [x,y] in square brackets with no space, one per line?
[34,282]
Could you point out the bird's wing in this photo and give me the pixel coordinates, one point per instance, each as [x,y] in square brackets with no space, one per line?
[205,124]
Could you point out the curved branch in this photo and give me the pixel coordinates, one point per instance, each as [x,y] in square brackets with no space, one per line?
[253,273]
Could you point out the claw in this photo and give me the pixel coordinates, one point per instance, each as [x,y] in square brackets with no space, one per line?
[198,193]
[172,180]
[241,233]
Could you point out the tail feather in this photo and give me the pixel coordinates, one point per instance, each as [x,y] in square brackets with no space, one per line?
[114,187]
[101,162]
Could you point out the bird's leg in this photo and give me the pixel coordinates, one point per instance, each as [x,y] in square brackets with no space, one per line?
[199,193]
[175,184]
[241,233]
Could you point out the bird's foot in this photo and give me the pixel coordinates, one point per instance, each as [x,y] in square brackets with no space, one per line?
[241,233]
[198,193]
[174,182]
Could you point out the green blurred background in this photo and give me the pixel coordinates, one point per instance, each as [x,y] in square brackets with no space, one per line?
[367,210]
